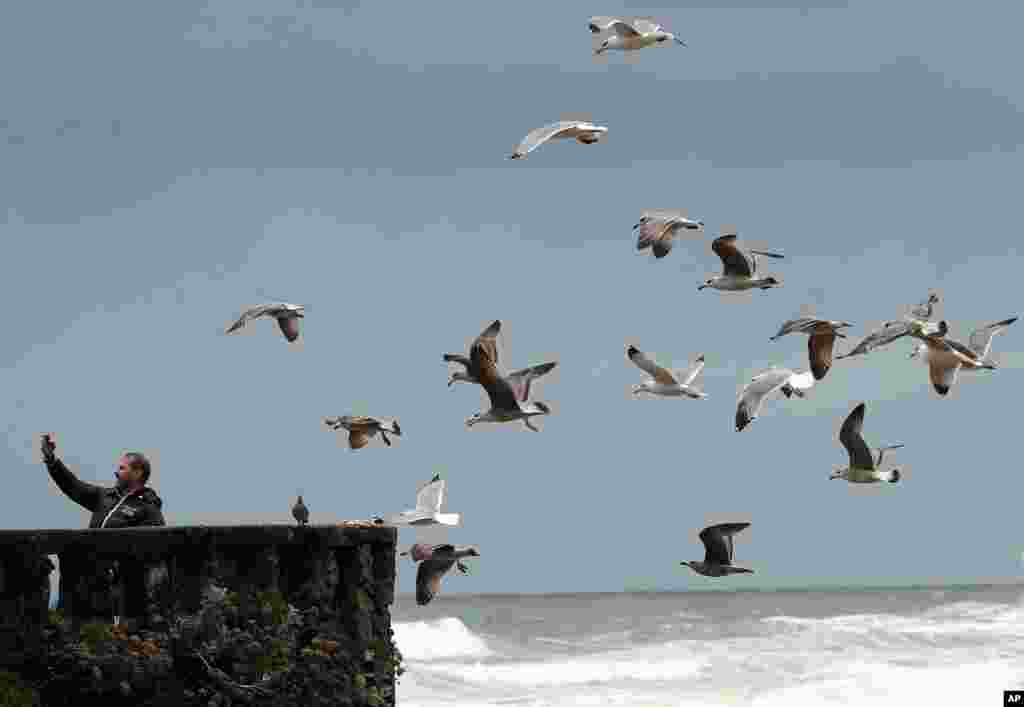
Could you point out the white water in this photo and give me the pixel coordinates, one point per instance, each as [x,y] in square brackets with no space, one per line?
[960,654]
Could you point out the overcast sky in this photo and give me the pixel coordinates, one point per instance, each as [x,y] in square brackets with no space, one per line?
[165,165]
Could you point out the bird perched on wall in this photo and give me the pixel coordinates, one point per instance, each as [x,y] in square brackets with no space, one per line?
[299,512]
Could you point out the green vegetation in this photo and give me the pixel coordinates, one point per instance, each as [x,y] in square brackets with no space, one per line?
[55,616]
[274,661]
[92,634]
[277,603]
[232,599]
[14,693]
[362,600]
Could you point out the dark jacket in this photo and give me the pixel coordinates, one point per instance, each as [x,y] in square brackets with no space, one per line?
[110,508]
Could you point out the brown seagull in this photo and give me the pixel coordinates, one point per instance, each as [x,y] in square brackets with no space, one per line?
[486,343]
[361,429]
[435,562]
[823,333]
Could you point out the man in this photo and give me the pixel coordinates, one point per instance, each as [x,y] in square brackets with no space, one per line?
[130,502]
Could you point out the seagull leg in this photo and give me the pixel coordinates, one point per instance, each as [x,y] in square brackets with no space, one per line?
[462,568]
[384,436]
[526,421]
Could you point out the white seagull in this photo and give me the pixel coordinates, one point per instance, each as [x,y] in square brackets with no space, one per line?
[429,498]
[663,381]
[581,130]
[823,333]
[946,357]
[630,33]
[287,316]
[763,384]
[657,230]
[738,267]
[863,468]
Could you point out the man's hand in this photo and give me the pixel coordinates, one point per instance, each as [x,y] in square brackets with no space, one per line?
[49,448]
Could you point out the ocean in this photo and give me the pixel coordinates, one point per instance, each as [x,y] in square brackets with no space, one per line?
[957,646]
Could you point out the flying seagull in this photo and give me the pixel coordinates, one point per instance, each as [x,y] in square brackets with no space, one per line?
[300,513]
[361,429]
[863,468]
[739,268]
[664,381]
[581,130]
[916,324]
[429,498]
[916,328]
[761,385]
[287,316]
[946,357]
[487,341]
[823,333]
[506,405]
[718,553]
[435,562]
[657,230]
[630,33]
[923,311]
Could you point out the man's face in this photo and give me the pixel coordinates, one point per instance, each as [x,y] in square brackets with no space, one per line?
[125,473]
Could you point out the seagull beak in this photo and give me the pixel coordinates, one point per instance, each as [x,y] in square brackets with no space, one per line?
[701,288]
[636,226]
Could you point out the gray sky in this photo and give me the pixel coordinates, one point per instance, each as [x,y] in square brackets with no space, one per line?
[162,166]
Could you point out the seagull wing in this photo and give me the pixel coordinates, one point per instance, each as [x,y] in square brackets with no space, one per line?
[536,138]
[693,371]
[658,373]
[357,439]
[943,364]
[248,314]
[601,23]
[645,25]
[647,234]
[520,380]
[499,390]
[880,337]
[430,496]
[734,260]
[981,339]
[755,391]
[819,350]
[849,435]
[800,324]
[717,541]
[289,327]
[485,346]
[429,574]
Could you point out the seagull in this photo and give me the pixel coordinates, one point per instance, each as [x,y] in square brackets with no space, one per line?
[300,513]
[658,230]
[924,310]
[520,380]
[506,406]
[863,468]
[739,268]
[718,552]
[762,384]
[823,333]
[287,316]
[891,331]
[630,33]
[362,428]
[664,381]
[429,498]
[946,357]
[435,562]
[583,132]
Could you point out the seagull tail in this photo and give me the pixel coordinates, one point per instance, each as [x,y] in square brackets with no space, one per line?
[894,476]
[395,429]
